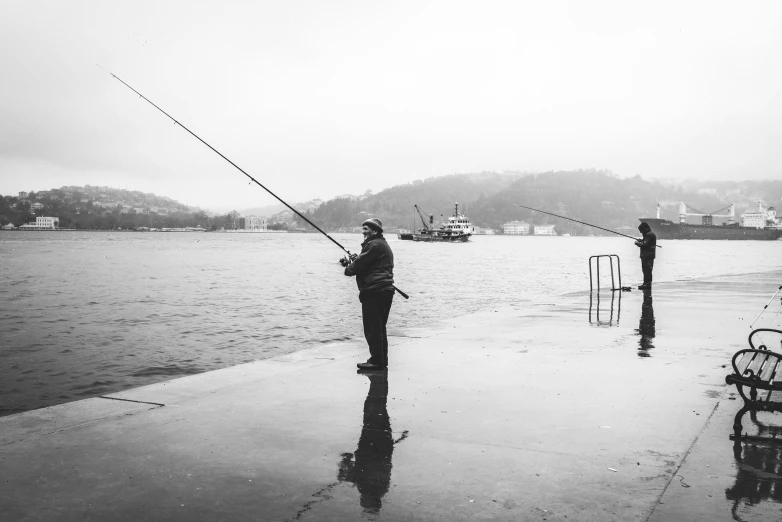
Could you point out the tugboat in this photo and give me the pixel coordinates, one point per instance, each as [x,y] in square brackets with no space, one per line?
[458,229]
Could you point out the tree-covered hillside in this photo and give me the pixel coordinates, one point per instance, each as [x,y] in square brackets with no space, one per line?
[108,208]
[596,197]
[487,198]
[394,206]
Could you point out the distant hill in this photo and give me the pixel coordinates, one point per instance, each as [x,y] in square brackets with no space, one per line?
[266,211]
[596,197]
[395,205]
[487,198]
[93,207]
[101,208]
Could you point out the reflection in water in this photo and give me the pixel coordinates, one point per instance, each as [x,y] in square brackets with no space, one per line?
[646,328]
[369,468]
[758,478]
[610,312]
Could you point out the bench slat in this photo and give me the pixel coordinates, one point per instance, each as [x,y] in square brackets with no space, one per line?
[757,363]
[770,370]
[744,361]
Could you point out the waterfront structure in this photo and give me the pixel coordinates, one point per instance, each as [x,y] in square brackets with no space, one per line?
[255,224]
[42,223]
[545,230]
[516,228]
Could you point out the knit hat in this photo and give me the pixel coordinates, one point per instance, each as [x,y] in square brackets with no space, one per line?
[644,227]
[374,224]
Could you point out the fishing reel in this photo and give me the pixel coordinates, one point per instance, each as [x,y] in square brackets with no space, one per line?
[346,260]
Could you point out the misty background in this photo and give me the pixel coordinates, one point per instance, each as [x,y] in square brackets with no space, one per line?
[317,99]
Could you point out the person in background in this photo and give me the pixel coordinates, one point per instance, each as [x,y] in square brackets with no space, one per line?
[374,271]
[648,246]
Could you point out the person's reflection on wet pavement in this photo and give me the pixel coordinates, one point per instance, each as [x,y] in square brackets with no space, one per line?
[369,468]
[646,327]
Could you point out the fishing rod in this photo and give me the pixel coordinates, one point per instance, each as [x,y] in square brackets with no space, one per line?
[577,221]
[764,308]
[350,255]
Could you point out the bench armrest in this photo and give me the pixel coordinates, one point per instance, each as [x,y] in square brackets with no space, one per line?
[758,331]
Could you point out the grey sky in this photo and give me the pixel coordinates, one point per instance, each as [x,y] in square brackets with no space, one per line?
[319,98]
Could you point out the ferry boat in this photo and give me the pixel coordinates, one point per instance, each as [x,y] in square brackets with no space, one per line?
[457,229]
[761,224]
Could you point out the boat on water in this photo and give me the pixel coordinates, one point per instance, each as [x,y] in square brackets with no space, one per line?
[457,229]
[760,224]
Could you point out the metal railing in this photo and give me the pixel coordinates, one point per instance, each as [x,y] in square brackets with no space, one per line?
[610,257]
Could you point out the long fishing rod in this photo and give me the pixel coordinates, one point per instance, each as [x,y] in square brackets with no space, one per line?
[764,308]
[243,172]
[583,223]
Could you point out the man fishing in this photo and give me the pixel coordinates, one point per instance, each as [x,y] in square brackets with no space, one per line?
[374,271]
[648,246]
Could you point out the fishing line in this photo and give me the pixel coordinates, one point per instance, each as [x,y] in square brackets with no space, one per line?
[764,308]
[583,223]
[241,170]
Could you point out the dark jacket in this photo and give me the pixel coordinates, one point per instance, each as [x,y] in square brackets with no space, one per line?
[374,267]
[649,242]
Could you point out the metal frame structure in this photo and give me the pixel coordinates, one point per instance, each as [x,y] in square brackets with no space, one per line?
[610,257]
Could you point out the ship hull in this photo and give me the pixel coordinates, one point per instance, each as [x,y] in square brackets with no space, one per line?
[426,238]
[666,229]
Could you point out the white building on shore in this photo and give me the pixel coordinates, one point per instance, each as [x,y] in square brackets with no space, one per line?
[255,224]
[545,230]
[42,223]
[516,228]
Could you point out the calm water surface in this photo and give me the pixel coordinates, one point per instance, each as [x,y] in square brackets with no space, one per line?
[85,314]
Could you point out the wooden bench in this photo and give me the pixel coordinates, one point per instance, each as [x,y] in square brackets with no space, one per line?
[757,374]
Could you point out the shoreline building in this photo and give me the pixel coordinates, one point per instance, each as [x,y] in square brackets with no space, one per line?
[545,230]
[255,223]
[42,223]
[516,228]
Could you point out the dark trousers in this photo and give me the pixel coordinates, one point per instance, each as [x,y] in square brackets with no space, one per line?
[647,264]
[375,310]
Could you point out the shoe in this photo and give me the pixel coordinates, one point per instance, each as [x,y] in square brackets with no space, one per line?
[645,287]
[369,366]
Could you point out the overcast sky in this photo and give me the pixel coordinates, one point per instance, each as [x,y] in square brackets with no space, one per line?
[323,97]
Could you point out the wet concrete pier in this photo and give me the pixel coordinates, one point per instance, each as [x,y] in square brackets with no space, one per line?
[555,411]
